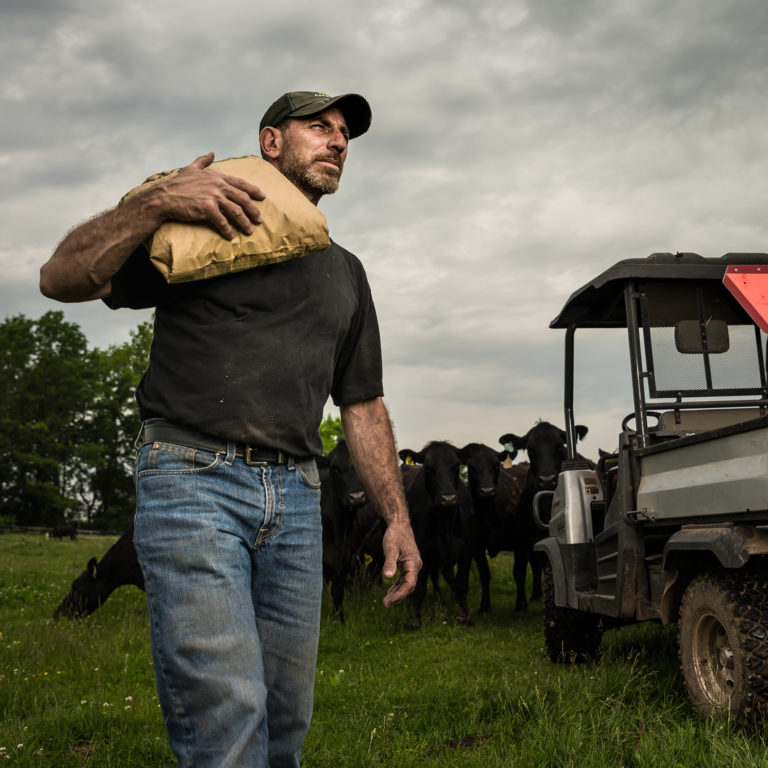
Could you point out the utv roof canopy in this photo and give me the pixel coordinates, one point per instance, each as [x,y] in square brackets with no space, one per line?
[600,303]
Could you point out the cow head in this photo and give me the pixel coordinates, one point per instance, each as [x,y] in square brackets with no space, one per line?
[482,465]
[545,445]
[441,464]
[84,596]
[345,483]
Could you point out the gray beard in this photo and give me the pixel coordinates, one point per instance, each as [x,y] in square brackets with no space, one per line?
[313,182]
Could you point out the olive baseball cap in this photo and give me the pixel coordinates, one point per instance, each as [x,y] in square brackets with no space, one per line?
[354,107]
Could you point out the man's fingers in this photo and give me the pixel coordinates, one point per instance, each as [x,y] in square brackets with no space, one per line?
[390,567]
[398,591]
[226,203]
[221,223]
[409,573]
[394,595]
[243,206]
[400,550]
[203,161]
[251,190]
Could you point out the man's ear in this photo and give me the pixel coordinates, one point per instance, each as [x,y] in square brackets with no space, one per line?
[271,142]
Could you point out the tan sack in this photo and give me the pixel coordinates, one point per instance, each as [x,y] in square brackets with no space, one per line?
[292,226]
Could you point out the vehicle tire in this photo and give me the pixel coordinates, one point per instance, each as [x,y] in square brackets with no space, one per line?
[723,642]
[570,635]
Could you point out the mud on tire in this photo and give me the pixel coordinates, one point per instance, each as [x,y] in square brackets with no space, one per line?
[569,635]
[723,643]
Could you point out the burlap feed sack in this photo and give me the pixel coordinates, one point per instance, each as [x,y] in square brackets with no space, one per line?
[292,227]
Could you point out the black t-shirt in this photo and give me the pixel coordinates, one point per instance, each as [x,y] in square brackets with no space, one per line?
[253,356]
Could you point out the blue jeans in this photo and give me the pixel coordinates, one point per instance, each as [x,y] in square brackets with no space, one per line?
[232,563]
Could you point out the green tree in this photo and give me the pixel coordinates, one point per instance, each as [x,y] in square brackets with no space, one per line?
[106,453]
[330,432]
[44,383]
[67,423]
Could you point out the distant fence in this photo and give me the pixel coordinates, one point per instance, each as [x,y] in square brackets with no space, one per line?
[41,530]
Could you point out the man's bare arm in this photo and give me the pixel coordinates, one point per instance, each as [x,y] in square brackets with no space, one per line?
[368,431]
[83,264]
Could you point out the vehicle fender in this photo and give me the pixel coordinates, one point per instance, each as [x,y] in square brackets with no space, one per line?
[551,549]
[694,550]
[732,545]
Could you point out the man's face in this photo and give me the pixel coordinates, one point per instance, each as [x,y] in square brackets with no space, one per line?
[314,150]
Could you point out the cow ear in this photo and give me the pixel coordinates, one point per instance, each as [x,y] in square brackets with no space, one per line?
[512,442]
[581,431]
[463,453]
[91,567]
[410,457]
[506,454]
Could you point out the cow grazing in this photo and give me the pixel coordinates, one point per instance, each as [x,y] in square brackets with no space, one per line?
[545,445]
[352,529]
[443,523]
[60,532]
[496,493]
[100,579]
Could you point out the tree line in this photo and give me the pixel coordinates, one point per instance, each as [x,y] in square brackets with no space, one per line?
[68,421]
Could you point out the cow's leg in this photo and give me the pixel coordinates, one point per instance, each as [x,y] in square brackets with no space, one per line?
[461,588]
[449,575]
[337,595]
[434,575]
[519,571]
[416,600]
[484,572]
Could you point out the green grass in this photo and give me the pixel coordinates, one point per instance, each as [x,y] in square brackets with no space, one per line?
[81,693]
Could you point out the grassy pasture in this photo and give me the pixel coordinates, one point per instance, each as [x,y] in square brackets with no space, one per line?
[82,693]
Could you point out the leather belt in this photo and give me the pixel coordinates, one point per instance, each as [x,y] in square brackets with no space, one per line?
[253,455]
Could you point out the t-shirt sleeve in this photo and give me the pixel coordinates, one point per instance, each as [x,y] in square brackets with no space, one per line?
[358,372]
[137,284]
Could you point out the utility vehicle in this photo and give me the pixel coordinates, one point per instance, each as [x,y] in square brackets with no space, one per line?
[673,526]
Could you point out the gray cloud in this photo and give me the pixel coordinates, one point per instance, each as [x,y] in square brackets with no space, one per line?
[517,149]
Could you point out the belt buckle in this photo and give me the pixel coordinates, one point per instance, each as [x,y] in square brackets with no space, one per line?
[249,450]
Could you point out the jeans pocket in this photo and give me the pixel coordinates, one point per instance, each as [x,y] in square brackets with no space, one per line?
[167,458]
[309,473]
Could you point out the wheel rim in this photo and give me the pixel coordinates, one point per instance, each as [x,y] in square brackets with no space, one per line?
[713,660]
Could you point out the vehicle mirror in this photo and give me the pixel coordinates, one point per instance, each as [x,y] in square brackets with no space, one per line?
[689,341]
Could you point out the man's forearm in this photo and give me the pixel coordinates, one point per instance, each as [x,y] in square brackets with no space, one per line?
[84,262]
[368,431]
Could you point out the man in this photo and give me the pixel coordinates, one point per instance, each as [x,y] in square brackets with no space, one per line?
[228,517]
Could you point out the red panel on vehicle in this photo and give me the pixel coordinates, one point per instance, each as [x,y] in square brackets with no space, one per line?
[749,284]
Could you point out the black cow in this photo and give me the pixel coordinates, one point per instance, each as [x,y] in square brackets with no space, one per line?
[496,493]
[352,529]
[443,523]
[100,579]
[60,532]
[545,445]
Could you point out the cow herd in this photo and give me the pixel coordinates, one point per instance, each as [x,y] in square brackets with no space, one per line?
[466,505]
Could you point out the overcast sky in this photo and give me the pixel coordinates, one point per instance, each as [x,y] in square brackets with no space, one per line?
[518,148]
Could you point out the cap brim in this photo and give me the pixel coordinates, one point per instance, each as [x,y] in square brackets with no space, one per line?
[356,111]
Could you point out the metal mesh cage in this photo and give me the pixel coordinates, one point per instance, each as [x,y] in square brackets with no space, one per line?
[697,343]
